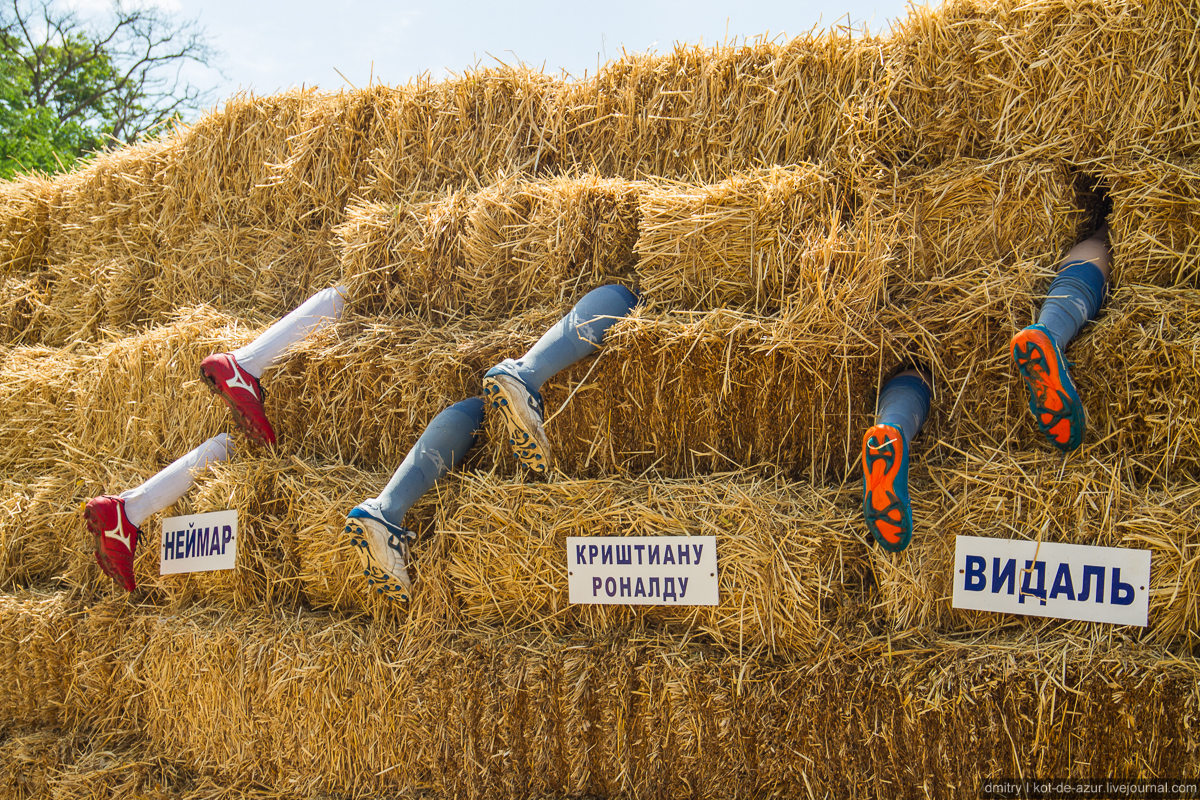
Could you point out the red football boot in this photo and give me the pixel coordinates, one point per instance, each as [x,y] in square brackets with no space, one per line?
[243,394]
[116,538]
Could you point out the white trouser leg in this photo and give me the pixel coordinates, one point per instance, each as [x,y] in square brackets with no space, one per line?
[323,308]
[173,482]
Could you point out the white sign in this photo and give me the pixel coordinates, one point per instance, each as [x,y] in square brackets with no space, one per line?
[199,543]
[643,570]
[1069,581]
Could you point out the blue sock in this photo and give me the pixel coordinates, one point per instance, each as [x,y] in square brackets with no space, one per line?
[576,336]
[440,448]
[904,404]
[1074,297]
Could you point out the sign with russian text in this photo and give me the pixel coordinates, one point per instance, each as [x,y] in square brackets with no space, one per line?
[1068,581]
[643,570]
[199,543]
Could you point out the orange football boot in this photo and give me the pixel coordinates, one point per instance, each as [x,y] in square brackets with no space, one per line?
[887,508]
[1053,399]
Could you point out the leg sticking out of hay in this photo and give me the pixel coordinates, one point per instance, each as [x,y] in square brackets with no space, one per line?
[513,387]
[234,376]
[903,407]
[375,526]
[113,520]
[1074,297]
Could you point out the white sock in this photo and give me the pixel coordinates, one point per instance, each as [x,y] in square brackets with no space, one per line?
[172,483]
[323,308]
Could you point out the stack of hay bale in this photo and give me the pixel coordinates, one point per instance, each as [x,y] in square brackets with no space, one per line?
[800,217]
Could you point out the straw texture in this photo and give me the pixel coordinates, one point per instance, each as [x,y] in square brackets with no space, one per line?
[630,713]
[801,217]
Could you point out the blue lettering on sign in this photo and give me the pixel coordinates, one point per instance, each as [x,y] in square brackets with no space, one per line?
[976,580]
[1038,591]
[1008,575]
[1088,574]
[1033,581]
[1062,583]
[202,544]
[1122,593]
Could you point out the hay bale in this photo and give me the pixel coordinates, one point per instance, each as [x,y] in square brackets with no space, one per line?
[292,158]
[463,132]
[104,223]
[1079,80]
[547,242]
[702,113]
[926,106]
[1066,79]
[24,219]
[38,645]
[513,245]
[1155,219]
[24,301]
[250,199]
[955,218]
[266,565]
[405,258]
[633,713]
[1029,495]
[27,762]
[792,568]
[758,240]
[262,270]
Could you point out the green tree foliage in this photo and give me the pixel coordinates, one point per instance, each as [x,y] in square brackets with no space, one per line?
[69,87]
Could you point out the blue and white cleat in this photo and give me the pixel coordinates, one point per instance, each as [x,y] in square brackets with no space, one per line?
[382,551]
[523,414]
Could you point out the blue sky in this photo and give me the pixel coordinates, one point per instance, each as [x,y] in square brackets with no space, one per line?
[270,45]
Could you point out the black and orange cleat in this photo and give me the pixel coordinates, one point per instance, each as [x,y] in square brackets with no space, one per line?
[1052,397]
[887,508]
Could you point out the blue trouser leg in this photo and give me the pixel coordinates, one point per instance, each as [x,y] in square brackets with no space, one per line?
[440,448]
[577,335]
[904,404]
[1074,297]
